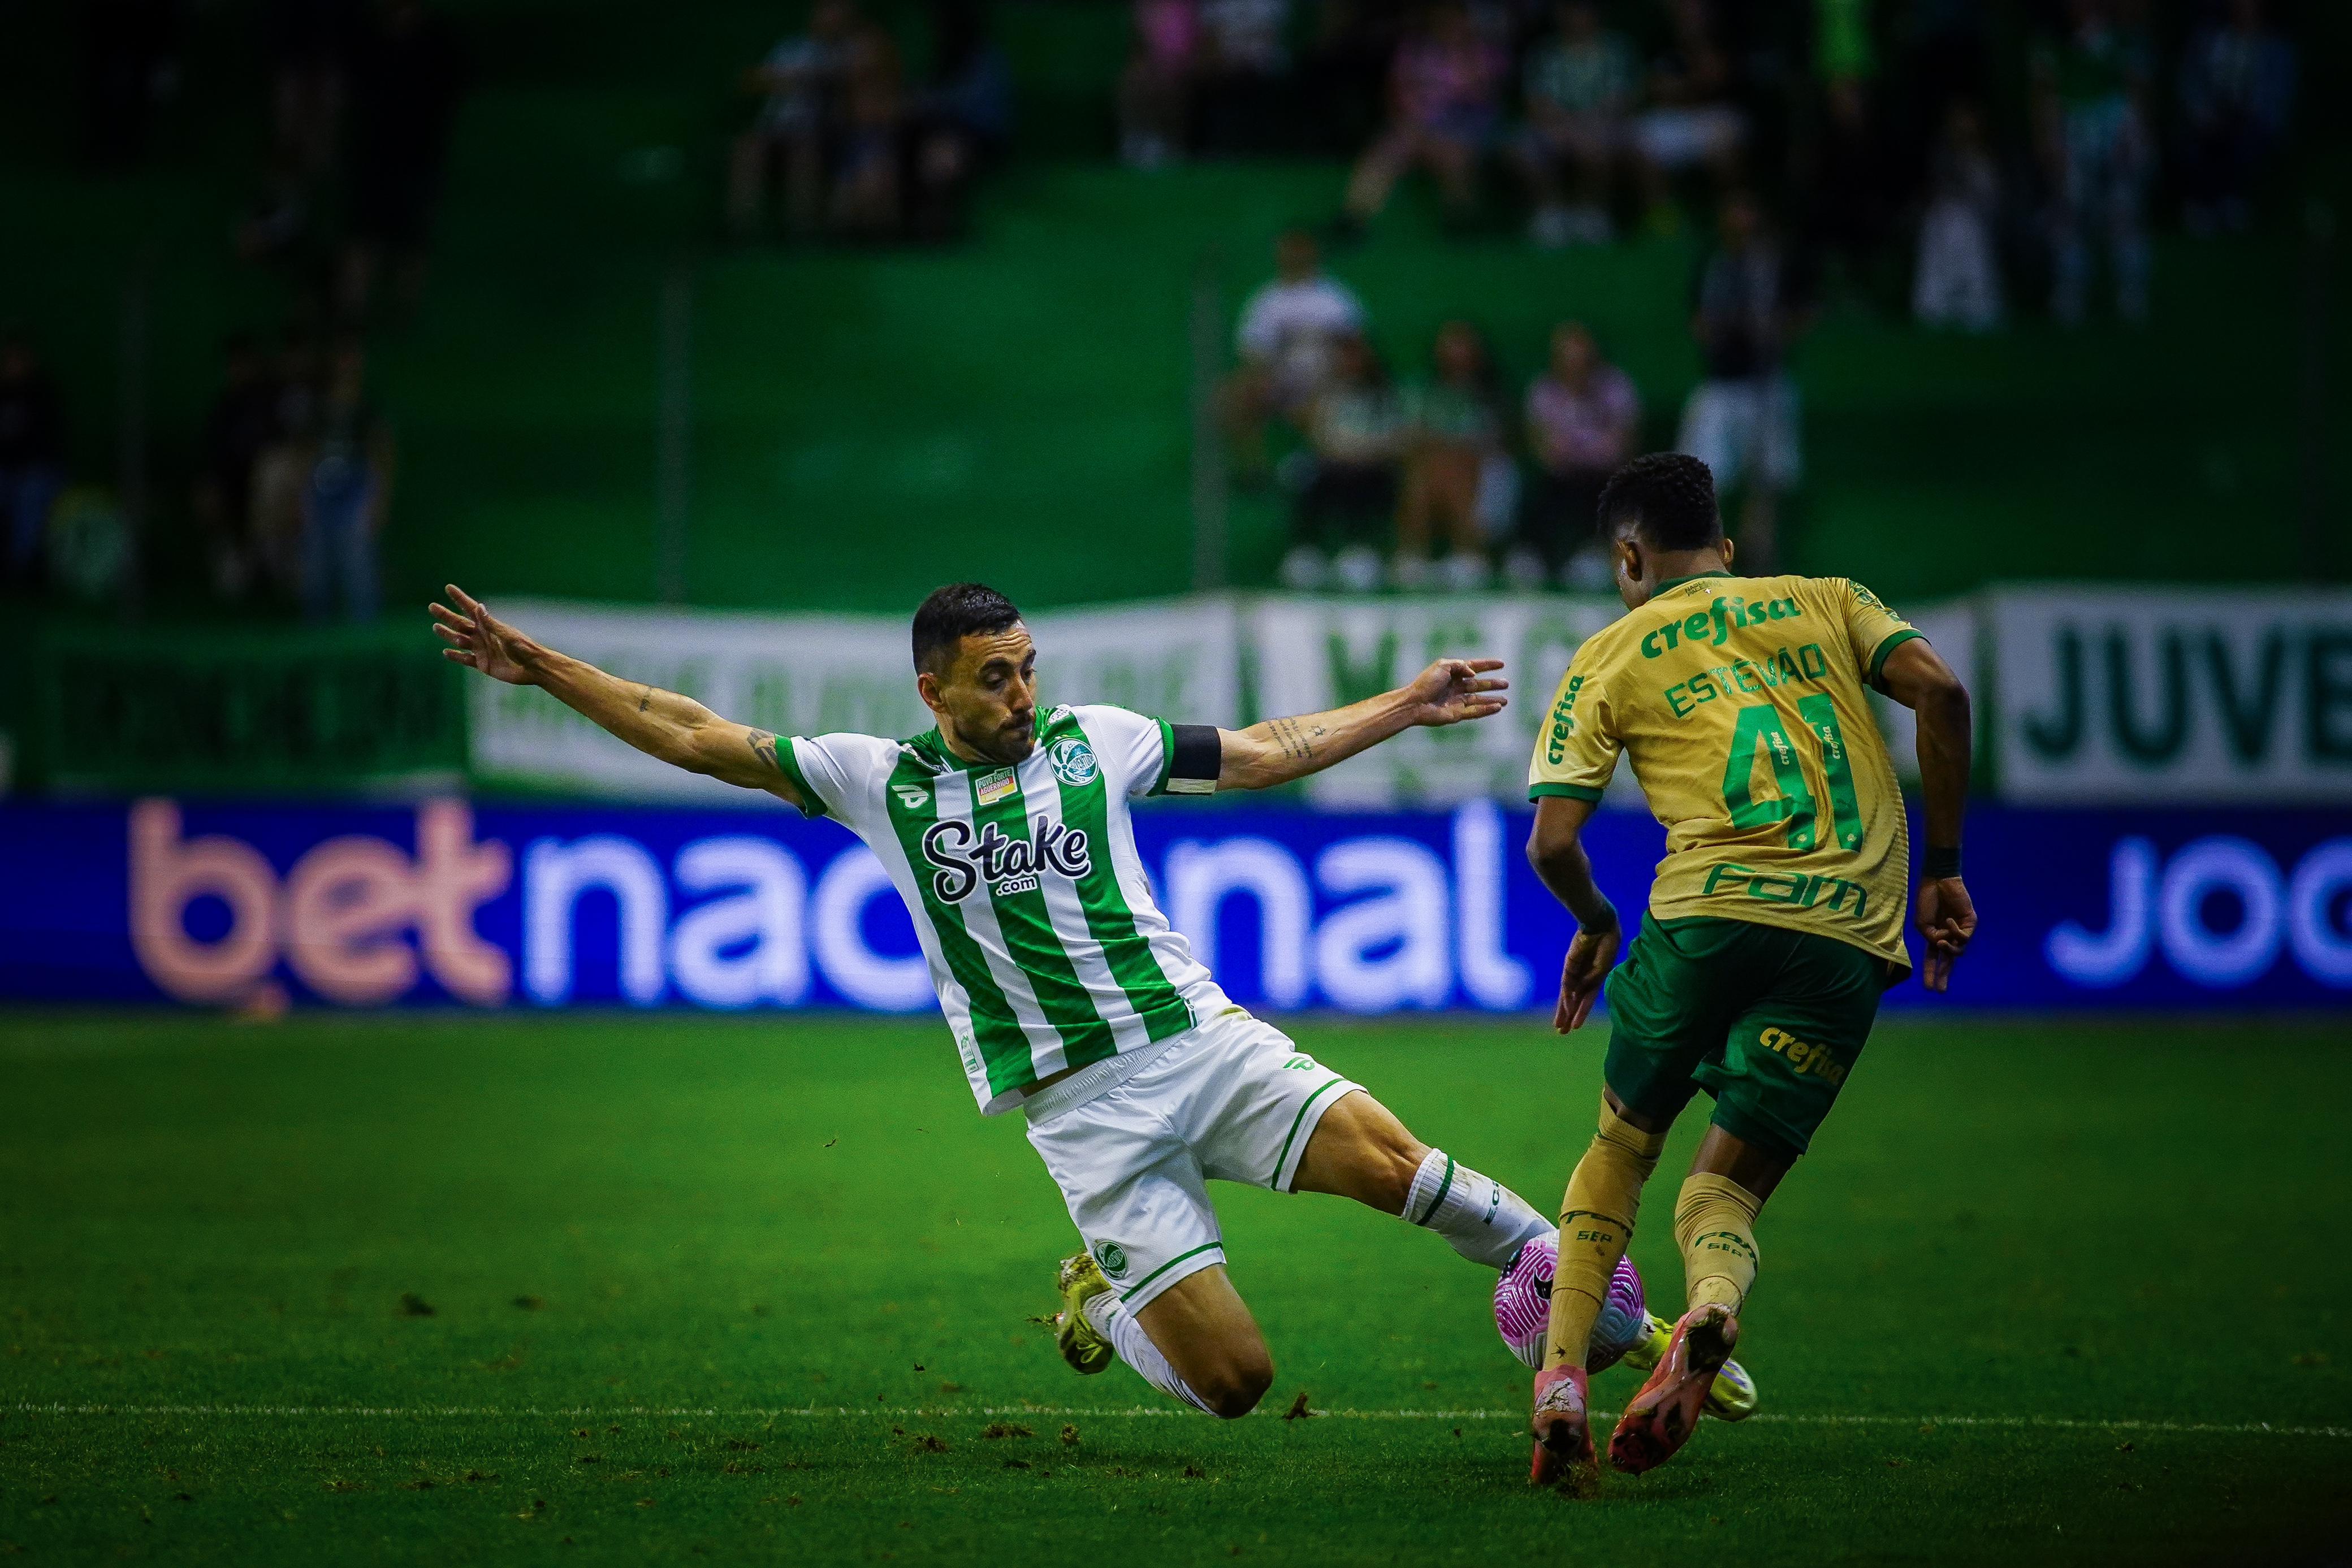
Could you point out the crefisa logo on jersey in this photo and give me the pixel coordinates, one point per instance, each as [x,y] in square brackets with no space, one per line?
[1007,866]
[1074,762]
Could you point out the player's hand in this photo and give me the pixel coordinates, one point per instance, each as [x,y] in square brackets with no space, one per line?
[480,640]
[1452,690]
[1946,919]
[1590,955]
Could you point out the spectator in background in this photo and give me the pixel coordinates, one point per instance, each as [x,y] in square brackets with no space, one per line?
[2237,88]
[1242,75]
[408,75]
[1345,71]
[309,44]
[243,420]
[1957,281]
[962,119]
[131,59]
[1852,186]
[1583,422]
[2090,90]
[1356,432]
[800,83]
[1444,103]
[1155,91]
[1692,122]
[281,470]
[1290,336]
[32,457]
[1947,55]
[865,187]
[1458,484]
[344,496]
[1579,87]
[1751,304]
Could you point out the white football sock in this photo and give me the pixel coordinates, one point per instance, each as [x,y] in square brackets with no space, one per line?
[1115,1323]
[1480,1217]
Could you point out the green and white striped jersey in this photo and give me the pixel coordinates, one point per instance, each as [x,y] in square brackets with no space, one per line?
[1043,942]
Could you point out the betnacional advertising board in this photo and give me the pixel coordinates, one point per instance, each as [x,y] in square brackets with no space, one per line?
[452,903]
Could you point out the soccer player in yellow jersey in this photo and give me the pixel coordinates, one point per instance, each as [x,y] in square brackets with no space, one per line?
[1775,921]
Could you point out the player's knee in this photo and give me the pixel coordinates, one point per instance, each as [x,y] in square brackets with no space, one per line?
[1236,1386]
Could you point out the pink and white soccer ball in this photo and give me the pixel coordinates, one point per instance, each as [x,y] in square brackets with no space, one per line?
[1523,1307]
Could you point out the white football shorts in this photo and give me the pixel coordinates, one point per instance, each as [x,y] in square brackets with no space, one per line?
[1133,1141]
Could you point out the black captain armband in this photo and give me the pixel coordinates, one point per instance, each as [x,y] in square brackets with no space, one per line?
[1936,864]
[1195,756]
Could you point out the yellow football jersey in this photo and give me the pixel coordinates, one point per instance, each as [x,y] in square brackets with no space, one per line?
[1741,701]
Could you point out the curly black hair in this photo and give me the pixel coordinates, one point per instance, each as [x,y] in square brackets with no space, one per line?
[952,614]
[1669,497]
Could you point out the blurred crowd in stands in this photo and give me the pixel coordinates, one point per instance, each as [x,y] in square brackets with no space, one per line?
[1869,123]
[1945,158]
[1449,481]
[854,148]
[1421,486]
[293,464]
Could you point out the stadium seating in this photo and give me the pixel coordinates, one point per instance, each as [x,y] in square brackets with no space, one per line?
[1017,406]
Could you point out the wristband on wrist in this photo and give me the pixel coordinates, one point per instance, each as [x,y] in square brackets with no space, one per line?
[1936,863]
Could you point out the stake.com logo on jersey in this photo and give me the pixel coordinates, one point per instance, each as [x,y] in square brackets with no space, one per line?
[1008,865]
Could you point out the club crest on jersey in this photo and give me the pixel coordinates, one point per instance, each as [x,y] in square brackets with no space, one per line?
[965,861]
[991,788]
[1074,762]
[1113,1259]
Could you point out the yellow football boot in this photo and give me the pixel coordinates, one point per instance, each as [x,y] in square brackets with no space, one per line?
[1733,1398]
[1080,1342]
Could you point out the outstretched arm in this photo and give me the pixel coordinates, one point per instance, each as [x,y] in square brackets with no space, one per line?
[677,729]
[1556,849]
[1915,675]
[1282,749]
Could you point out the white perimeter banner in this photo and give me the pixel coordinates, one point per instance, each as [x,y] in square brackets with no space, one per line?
[2121,695]
[812,674]
[2085,694]
[1314,654]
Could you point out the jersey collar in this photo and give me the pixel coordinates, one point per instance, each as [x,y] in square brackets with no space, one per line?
[1694,577]
[934,747]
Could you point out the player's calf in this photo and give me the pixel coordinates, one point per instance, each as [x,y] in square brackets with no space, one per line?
[1360,1150]
[1480,1217]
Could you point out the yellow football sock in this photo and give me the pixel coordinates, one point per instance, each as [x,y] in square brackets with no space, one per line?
[1596,1221]
[1715,1220]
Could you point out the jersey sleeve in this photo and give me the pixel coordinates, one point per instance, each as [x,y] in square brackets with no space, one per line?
[1576,750]
[1875,631]
[837,774]
[1134,750]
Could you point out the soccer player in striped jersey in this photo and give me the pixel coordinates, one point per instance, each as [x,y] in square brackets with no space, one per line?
[1775,921]
[1006,831]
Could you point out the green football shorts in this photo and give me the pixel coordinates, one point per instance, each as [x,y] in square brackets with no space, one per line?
[1767,1020]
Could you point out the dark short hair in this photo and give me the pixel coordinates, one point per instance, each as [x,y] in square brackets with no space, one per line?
[952,614]
[1669,497]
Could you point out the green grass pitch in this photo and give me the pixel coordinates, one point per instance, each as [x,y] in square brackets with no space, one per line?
[624,1288]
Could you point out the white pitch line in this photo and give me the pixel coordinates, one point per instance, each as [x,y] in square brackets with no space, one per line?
[911,1412]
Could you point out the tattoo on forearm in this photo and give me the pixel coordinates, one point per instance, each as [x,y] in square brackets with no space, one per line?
[763,747]
[1297,741]
[645,696]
